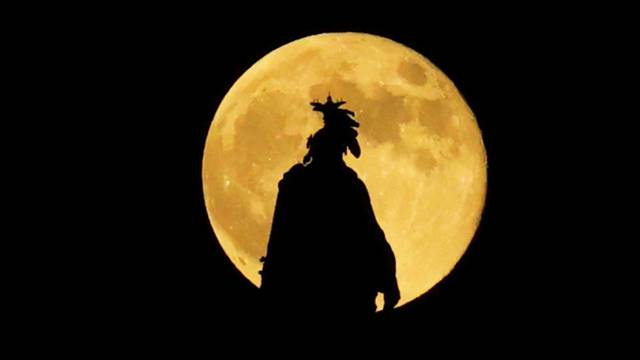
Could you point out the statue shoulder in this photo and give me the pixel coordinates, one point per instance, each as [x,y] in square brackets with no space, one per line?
[357,184]
[293,174]
[353,175]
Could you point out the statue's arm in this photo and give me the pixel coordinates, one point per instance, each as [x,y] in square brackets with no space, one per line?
[385,259]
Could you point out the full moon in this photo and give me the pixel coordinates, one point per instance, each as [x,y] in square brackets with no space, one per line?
[423,159]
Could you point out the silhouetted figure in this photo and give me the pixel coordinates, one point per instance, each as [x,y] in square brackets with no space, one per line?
[327,257]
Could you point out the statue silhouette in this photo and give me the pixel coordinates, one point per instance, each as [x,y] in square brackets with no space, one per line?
[327,257]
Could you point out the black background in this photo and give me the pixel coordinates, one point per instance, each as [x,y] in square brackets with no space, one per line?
[145,86]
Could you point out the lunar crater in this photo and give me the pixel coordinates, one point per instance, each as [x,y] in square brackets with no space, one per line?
[413,73]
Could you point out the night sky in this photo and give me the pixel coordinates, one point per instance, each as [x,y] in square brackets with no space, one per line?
[149,265]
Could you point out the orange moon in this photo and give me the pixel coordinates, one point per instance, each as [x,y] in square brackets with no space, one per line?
[423,159]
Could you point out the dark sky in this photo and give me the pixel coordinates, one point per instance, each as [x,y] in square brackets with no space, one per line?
[148,84]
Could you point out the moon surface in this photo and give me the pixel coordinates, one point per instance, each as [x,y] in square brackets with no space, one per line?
[423,159]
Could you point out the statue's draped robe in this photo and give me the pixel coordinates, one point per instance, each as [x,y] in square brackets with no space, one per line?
[326,252]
